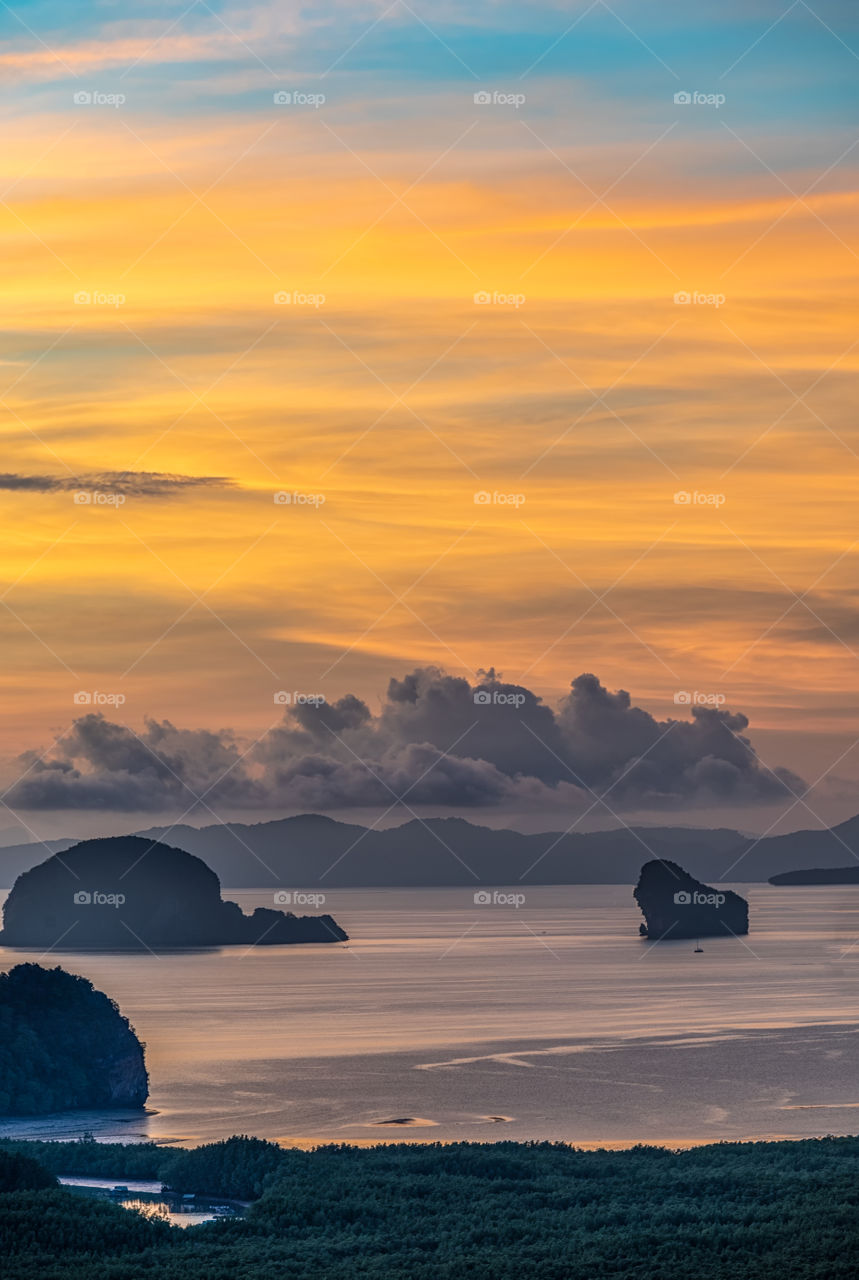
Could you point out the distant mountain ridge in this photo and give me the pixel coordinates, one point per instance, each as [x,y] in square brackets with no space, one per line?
[313,850]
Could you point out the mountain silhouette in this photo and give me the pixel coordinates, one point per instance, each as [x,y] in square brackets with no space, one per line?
[312,850]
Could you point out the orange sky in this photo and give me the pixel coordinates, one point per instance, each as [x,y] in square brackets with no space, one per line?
[398,397]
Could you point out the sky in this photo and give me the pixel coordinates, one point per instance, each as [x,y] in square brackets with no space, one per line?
[355,351]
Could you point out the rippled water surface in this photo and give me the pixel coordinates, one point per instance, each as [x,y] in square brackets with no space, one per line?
[444,1018]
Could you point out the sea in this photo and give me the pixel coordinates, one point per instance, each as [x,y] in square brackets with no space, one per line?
[505,1014]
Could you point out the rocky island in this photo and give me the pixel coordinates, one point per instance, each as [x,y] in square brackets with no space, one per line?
[65,1046]
[676,905]
[818,875]
[126,893]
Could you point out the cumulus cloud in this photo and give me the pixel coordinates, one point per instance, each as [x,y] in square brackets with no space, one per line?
[437,741]
[138,484]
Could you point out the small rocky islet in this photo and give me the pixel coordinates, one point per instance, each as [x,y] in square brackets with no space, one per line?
[676,905]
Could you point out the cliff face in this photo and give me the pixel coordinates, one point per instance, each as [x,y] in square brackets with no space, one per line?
[128,893]
[126,1078]
[676,905]
[65,1046]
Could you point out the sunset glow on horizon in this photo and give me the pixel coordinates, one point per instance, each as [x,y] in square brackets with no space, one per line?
[554,386]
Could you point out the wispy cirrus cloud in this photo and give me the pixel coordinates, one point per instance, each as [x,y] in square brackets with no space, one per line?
[140,484]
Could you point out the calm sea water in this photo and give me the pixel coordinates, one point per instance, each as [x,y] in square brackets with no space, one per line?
[447,1019]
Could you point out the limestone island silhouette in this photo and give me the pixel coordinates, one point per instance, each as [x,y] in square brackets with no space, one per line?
[676,905]
[127,893]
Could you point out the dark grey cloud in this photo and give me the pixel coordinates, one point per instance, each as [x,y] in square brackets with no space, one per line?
[104,765]
[138,484]
[436,741]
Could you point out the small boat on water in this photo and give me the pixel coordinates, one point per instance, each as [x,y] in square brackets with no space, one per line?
[698,947]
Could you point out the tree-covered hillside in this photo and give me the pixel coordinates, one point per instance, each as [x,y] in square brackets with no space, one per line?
[758,1211]
[64,1045]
